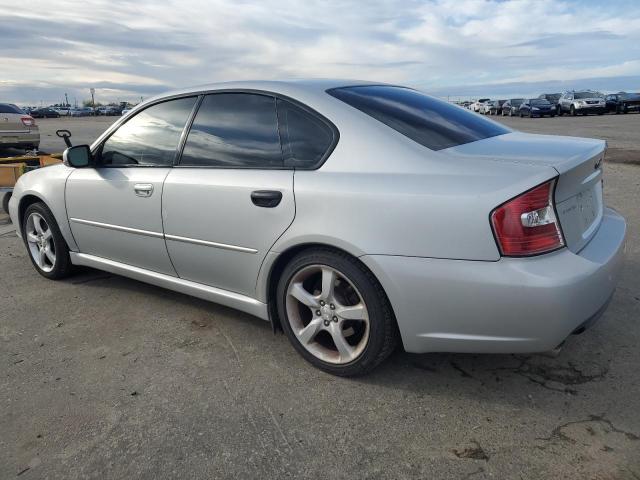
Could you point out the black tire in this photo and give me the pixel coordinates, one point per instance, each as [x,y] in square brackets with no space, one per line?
[5,202]
[63,266]
[559,111]
[572,111]
[510,113]
[552,115]
[383,330]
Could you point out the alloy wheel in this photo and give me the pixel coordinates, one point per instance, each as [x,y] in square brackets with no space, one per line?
[327,314]
[40,241]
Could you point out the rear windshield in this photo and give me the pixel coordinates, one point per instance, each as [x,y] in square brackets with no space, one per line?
[433,123]
[8,108]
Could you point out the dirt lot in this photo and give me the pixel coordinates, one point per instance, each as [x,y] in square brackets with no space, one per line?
[105,377]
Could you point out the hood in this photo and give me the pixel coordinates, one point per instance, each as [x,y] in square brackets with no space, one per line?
[560,153]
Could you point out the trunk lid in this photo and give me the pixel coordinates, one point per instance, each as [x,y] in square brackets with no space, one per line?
[578,161]
[11,123]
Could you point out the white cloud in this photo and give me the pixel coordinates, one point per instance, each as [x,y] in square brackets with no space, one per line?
[139,47]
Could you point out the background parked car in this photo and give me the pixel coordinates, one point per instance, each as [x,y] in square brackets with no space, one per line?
[540,107]
[496,107]
[552,98]
[63,111]
[511,106]
[108,110]
[477,105]
[17,129]
[81,112]
[485,108]
[44,113]
[581,102]
[623,102]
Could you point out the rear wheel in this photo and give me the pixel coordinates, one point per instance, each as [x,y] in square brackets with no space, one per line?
[46,246]
[335,312]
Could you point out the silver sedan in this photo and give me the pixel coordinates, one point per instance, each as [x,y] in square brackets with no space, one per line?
[353,216]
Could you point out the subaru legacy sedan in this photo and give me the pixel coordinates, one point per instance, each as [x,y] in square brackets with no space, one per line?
[353,216]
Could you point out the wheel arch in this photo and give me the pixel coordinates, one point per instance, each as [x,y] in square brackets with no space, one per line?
[30,197]
[278,263]
[25,202]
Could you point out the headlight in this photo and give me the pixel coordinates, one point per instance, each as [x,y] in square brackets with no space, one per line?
[580,102]
[535,108]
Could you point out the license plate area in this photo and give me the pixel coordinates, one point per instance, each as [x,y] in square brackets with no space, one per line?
[589,205]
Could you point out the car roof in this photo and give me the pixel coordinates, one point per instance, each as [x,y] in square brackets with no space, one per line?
[291,88]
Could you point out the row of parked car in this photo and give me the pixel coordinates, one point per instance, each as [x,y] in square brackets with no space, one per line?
[572,102]
[55,112]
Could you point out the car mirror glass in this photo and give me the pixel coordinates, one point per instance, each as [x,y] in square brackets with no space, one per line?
[78,156]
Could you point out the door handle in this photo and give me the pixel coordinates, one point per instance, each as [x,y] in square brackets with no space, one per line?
[143,189]
[266,198]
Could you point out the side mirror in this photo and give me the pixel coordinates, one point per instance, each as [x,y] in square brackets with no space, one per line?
[78,157]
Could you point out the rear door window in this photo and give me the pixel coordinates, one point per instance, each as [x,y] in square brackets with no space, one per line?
[234,130]
[433,123]
[306,138]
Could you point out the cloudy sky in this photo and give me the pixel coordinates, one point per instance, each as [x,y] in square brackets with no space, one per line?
[128,49]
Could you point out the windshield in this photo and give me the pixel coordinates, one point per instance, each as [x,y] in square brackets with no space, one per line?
[432,123]
[8,108]
[516,102]
[578,95]
[539,101]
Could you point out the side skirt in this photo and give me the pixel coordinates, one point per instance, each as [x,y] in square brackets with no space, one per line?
[205,292]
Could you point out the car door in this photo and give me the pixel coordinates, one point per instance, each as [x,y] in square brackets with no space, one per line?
[230,197]
[114,209]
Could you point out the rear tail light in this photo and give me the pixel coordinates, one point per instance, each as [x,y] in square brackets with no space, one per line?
[28,121]
[527,224]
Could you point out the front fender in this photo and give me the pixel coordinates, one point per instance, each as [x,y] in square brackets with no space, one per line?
[46,184]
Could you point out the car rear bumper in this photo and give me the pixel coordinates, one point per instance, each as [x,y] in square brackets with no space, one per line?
[19,139]
[514,305]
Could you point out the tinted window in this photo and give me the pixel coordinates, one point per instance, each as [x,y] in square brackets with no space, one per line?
[234,130]
[8,108]
[150,137]
[432,123]
[305,137]
[578,95]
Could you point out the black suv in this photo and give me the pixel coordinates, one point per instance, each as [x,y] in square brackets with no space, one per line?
[623,102]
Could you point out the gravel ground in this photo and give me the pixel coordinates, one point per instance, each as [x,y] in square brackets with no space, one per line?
[105,377]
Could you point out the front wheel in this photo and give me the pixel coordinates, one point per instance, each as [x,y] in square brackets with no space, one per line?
[46,246]
[335,312]
[572,111]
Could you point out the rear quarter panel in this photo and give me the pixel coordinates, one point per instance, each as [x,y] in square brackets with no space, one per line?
[382,194]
